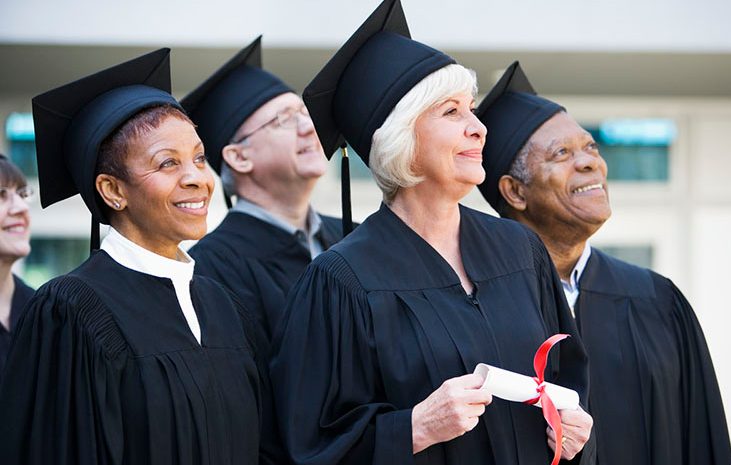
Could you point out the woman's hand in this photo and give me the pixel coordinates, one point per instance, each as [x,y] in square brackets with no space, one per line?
[576,430]
[449,412]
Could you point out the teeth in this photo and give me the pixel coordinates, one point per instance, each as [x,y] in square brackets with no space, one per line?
[588,188]
[191,205]
[15,229]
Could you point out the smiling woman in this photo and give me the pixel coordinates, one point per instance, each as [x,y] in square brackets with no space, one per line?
[14,245]
[374,355]
[130,357]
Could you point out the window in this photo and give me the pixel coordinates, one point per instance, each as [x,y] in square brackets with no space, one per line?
[51,257]
[640,255]
[21,139]
[636,149]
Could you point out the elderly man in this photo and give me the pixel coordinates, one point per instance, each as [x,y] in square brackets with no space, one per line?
[654,395]
[259,137]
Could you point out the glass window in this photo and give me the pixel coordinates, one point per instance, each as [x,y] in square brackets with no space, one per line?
[640,255]
[51,257]
[636,149]
[21,139]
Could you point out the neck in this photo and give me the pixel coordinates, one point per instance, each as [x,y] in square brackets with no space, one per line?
[564,254]
[169,250]
[291,202]
[7,287]
[434,218]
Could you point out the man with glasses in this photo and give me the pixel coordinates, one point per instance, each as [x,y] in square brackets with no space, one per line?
[260,139]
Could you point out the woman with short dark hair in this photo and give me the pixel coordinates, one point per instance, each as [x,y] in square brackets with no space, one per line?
[130,358]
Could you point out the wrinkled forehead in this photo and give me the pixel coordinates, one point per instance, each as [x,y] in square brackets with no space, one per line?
[560,129]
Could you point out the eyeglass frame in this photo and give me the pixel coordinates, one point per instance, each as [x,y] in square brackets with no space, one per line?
[24,192]
[302,110]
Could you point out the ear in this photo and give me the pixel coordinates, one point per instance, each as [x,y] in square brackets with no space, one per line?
[513,191]
[111,190]
[238,157]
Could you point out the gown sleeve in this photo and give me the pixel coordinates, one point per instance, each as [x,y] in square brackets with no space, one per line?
[327,387]
[706,431]
[59,401]
[270,443]
[569,365]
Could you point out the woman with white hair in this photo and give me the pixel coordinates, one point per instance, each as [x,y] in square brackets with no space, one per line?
[373,357]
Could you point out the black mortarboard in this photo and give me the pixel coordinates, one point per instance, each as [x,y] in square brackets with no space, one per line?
[223,102]
[73,120]
[354,93]
[512,112]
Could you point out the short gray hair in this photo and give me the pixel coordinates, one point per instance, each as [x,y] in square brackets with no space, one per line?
[394,143]
[518,170]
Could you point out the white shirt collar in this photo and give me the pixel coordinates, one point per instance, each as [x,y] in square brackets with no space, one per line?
[571,287]
[135,257]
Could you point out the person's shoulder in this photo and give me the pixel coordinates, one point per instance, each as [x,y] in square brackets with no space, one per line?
[71,300]
[611,275]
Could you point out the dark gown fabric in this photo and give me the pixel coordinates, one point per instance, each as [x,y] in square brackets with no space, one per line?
[258,261]
[654,395]
[105,370]
[21,296]
[381,320]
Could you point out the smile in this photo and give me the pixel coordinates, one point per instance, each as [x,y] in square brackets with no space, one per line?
[587,188]
[191,205]
[309,148]
[15,228]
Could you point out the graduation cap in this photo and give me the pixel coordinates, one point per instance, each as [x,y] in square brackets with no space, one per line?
[354,93]
[73,120]
[512,112]
[226,99]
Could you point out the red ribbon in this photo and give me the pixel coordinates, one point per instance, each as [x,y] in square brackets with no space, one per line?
[550,413]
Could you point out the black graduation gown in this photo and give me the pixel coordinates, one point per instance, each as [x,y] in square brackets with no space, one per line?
[258,261]
[654,395]
[105,370]
[379,321]
[21,295]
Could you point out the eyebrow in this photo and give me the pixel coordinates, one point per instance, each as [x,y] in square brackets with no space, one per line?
[457,101]
[168,149]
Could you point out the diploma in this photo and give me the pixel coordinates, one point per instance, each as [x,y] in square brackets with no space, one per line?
[515,387]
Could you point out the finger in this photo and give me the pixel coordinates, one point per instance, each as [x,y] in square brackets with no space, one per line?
[475,410]
[552,444]
[551,434]
[477,396]
[470,381]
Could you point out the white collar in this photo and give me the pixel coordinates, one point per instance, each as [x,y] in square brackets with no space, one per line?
[135,257]
[578,270]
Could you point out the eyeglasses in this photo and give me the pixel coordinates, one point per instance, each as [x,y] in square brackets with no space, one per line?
[6,194]
[286,118]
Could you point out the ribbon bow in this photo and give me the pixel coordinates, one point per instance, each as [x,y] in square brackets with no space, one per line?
[550,412]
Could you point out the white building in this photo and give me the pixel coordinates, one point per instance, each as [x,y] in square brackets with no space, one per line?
[652,78]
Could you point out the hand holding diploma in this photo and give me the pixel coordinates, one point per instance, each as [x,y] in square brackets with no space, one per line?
[550,397]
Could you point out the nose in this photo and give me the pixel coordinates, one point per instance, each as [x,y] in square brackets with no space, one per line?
[195,175]
[17,204]
[586,161]
[475,128]
[305,125]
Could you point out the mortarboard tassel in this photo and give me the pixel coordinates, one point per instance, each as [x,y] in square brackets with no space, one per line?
[95,239]
[345,191]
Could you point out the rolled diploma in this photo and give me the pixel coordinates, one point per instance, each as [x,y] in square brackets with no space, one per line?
[520,388]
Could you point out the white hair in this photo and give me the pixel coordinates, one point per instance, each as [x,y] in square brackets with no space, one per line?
[394,144]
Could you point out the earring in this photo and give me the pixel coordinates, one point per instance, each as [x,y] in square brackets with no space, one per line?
[117,206]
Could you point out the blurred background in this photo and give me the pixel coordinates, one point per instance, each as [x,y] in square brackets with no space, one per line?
[650,79]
